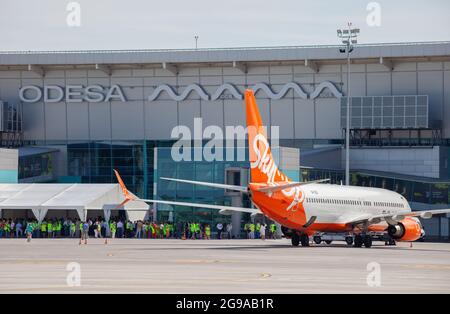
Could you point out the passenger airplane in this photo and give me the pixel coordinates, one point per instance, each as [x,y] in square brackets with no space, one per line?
[306,208]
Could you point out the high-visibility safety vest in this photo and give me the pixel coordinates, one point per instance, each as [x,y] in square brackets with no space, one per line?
[7,227]
[192,227]
[258,226]
[81,226]
[208,231]
[273,227]
[112,226]
[44,227]
[59,226]
[72,227]
[245,227]
[252,227]
[49,227]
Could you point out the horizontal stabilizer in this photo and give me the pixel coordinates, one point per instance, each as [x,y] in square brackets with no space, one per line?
[282,185]
[209,206]
[212,185]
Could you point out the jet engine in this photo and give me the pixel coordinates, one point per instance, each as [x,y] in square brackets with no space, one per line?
[409,229]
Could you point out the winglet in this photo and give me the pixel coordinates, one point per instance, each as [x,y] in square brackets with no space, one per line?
[125,192]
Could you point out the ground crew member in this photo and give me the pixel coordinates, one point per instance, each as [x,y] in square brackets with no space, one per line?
[113,228]
[246,230]
[129,229]
[252,230]
[207,232]
[80,228]
[43,229]
[198,231]
[29,231]
[58,228]
[273,230]
[7,229]
[192,230]
[35,227]
[99,230]
[49,229]
[73,229]
[258,229]
[167,231]
[84,232]
[152,230]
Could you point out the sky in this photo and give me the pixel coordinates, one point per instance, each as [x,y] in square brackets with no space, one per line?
[173,24]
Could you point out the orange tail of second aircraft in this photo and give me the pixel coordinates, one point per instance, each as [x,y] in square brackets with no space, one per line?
[262,164]
[125,192]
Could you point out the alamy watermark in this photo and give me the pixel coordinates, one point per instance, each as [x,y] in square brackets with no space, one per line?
[73,278]
[221,145]
[73,18]
[373,278]
[373,19]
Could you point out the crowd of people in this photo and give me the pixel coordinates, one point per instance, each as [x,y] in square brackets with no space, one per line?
[122,228]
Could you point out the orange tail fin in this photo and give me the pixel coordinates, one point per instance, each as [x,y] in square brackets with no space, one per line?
[262,164]
[125,192]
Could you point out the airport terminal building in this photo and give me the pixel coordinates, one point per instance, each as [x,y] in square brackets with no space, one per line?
[73,116]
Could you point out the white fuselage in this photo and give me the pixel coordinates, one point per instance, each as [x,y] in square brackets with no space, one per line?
[332,203]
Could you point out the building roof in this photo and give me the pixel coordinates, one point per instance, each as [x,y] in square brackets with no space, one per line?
[64,197]
[32,150]
[245,54]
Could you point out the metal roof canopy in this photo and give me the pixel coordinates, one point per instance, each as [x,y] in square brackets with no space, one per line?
[380,53]
[41,197]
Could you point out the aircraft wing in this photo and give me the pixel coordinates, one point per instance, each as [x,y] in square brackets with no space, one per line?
[213,185]
[393,218]
[226,210]
[279,187]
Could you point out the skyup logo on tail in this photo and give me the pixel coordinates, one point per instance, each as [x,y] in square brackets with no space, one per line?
[263,167]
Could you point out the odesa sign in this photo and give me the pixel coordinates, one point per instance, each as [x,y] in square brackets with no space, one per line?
[71,93]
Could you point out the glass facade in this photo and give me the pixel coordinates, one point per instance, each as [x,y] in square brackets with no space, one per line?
[412,190]
[386,112]
[36,166]
[213,171]
[93,163]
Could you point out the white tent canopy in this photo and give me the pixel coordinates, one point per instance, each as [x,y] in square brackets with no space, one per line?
[41,197]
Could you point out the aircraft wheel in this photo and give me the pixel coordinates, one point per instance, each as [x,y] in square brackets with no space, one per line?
[304,239]
[367,241]
[349,240]
[392,242]
[295,240]
[328,241]
[317,239]
[358,241]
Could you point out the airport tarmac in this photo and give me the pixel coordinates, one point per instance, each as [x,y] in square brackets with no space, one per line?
[220,266]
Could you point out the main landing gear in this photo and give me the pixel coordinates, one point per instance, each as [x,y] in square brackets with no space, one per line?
[361,240]
[318,239]
[297,239]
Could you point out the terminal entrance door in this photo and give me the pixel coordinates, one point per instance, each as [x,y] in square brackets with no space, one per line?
[236,176]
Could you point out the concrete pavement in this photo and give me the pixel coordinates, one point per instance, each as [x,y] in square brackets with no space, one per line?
[220,266]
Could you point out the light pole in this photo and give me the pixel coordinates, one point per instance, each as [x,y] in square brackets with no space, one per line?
[349,38]
[196,41]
